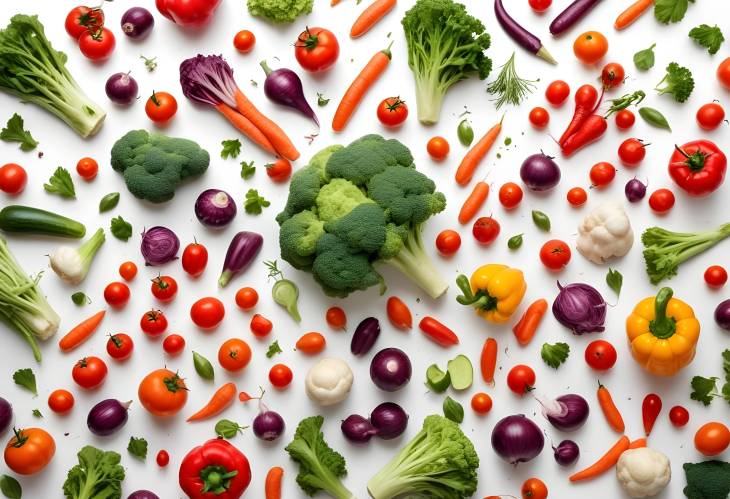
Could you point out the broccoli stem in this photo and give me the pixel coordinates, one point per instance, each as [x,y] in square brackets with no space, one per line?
[429,98]
[415,264]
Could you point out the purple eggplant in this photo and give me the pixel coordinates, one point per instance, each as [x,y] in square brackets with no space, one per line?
[571,15]
[366,333]
[284,87]
[243,249]
[520,35]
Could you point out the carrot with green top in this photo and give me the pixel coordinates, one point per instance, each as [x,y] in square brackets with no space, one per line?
[221,399]
[476,154]
[81,332]
[605,463]
[370,17]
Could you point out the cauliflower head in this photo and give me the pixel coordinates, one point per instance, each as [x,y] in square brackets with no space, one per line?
[643,472]
[605,233]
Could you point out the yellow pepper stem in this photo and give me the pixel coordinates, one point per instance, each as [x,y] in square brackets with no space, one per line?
[662,326]
[481,300]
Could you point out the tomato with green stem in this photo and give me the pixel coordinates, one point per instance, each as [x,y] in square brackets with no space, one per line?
[97,45]
[510,195]
[194,259]
[173,344]
[160,107]
[392,112]
[625,119]
[234,355]
[710,116]
[87,168]
[485,230]
[534,488]
[128,271]
[316,49]
[207,312]
[162,393]
[438,148]
[260,325]
[280,376]
[164,288]
[116,294]
[600,355]
[555,254]
[82,19]
[336,318]
[89,372]
[602,174]
[244,41]
[61,401]
[153,323]
[29,451]
[119,346]
[632,151]
[448,242]
[612,75]
[246,298]
[715,276]
[557,92]
[13,178]
[539,117]
[521,379]
[577,196]
[279,171]
[661,200]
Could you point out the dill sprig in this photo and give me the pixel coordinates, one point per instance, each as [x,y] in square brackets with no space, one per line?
[509,87]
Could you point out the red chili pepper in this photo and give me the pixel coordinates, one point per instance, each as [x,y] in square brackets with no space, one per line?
[437,332]
[188,13]
[215,469]
[592,129]
[650,409]
[698,167]
[586,99]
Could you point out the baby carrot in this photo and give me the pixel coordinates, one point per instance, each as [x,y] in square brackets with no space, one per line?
[272,486]
[370,17]
[632,13]
[526,327]
[605,463]
[610,411]
[488,360]
[221,399]
[81,332]
[476,154]
[473,202]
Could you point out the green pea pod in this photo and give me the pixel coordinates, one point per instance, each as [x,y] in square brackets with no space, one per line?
[203,366]
[541,220]
[465,133]
[654,118]
[109,202]
[453,410]
[514,242]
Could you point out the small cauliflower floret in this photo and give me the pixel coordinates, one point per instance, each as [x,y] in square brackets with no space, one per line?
[338,198]
[328,382]
[643,472]
[605,233]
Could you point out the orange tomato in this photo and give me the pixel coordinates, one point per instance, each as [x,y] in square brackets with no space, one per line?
[481,403]
[61,401]
[399,314]
[160,107]
[534,488]
[311,343]
[128,270]
[29,451]
[438,148]
[336,318]
[590,47]
[87,168]
[723,73]
[712,438]
[244,41]
[234,354]
[246,298]
[163,393]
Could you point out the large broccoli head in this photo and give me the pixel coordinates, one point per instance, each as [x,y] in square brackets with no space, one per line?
[366,205]
[154,164]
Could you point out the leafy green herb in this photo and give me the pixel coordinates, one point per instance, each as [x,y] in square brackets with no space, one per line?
[121,229]
[726,370]
[26,379]
[514,242]
[707,480]
[654,118]
[150,63]
[644,59]
[709,37]
[14,132]
[615,280]
[109,202]
[704,389]
[625,101]
[677,82]
[541,220]
[37,413]
[274,349]
[231,148]
[321,101]
[97,475]
[203,366]
[79,298]
[60,183]
[10,487]
[509,87]
[554,354]
[247,170]
[137,447]
[254,203]
[670,11]
[453,410]
[225,428]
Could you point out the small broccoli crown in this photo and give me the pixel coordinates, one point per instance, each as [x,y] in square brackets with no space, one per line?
[406,194]
[678,82]
[338,198]
[367,156]
[298,239]
[319,160]
[363,229]
[341,270]
[395,235]
[303,190]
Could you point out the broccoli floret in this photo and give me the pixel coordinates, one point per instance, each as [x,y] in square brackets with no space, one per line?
[362,229]
[395,238]
[298,239]
[338,198]
[154,164]
[366,157]
[445,45]
[279,11]
[440,462]
[341,270]
[408,195]
[678,82]
[707,480]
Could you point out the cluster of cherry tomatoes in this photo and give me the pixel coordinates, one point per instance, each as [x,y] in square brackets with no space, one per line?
[86,25]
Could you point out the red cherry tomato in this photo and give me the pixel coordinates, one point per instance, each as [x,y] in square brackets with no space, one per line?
[336,318]
[280,376]
[625,119]
[631,152]
[712,438]
[679,416]
[89,372]
[448,242]
[207,312]
[83,19]
[127,271]
[153,323]
[661,200]
[60,401]
[163,458]
[392,111]
[715,276]
[577,196]
[160,107]
[612,75]
[540,5]
[260,325]
[602,174]
[279,170]
[520,379]
[710,116]
[97,45]
[87,168]
[316,49]
[534,488]
[539,117]
[557,92]
[481,403]
[600,355]
[164,288]
[438,148]
[173,344]
[723,73]
[485,230]
[116,294]
[13,178]
[194,259]
[119,346]
[555,254]
[244,41]
[510,195]
[246,298]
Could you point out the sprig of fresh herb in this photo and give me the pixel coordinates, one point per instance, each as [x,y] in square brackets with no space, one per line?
[26,379]
[231,148]
[255,203]
[644,59]
[615,280]
[509,87]
[709,37]
[61,183]
[121,229]
[247,170]
[137,447]
[554,354]
[15,132]
[274,349]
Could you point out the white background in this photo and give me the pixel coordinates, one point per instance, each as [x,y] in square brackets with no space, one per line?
[171,45]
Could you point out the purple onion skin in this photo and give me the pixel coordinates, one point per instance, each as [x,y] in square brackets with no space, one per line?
[517,439]
[635,190]
[566,453]
[365,335]
[121,89]
[539,172]
[357,429]
[6,415]
[577,412]
[722,315]
[143,494]
[268,425]
[137,22]
[389,419]
[243,249]
[107,417]
[215,208]
[159,245]
[580,308]
[571,15]
[284,87]
[390,369]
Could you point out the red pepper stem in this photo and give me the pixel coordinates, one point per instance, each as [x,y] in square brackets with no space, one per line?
[695,161]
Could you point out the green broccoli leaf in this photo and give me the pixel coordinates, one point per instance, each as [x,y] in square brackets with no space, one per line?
[274,349]
[60,183]
[554,354]
[247,170]
[704,389]
[10,487]
[14,132]
[644,59]
[137,447]
[709,37]
[670,11]
[615,280]
[707,480]
[254,203]
[97,475]
[231,148]
[26,379]
[121,229]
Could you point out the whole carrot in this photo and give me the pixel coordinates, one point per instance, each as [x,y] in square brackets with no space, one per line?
[526,327]
[632,13]
[81,332]
[361,84]
[221,399]
[276,136]
[473,202]
[245,126]
[476,154]
[488,360]
[370,17]
[272,486]
[610,411]
[605,463]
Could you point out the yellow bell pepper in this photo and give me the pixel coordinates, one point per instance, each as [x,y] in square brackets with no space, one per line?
[663,333]
[495,291]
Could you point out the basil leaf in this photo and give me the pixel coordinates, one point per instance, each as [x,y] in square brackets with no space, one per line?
[109,202]
[514,242]
[453,410]
[644,59]
[615,280]
[10,487]
[203,366]
[541,220]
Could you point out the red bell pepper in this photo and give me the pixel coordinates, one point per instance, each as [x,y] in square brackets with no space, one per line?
[698,167]
[188,13]
[214,470]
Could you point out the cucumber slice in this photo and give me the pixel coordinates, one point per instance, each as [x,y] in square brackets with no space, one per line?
[436,379]
[461,372]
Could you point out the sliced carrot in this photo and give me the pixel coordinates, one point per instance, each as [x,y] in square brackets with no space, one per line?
[271,130]
[81,332]
[311,343]
[610,411]
[221,399]
[638,443]
[605,463]
[526,327]
[360,85]
[488,360]
[476,154]
[632,13]
[370,17]
[473,202]
[245,126]
[272,486]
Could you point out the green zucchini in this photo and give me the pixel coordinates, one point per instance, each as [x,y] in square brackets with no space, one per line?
[26,219]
